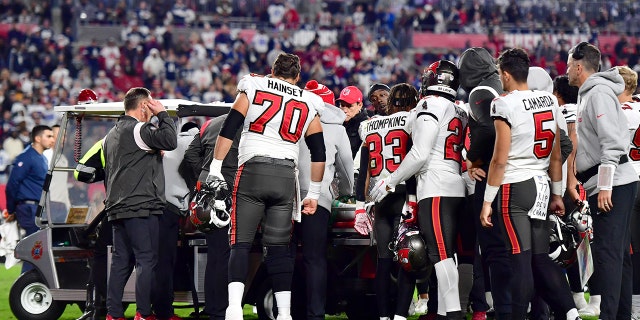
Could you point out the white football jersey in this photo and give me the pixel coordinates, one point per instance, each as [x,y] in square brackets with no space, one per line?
[632,111]
[388,139]
[531,114]
[278,117]
[435,158]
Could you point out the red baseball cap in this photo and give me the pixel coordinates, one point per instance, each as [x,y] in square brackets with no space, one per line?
[350,95]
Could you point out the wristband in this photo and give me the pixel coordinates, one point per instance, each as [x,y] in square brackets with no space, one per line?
[359,205]
[412,198]
[215,166]
[490,193]
[556,188]
[605,176]
[314,190]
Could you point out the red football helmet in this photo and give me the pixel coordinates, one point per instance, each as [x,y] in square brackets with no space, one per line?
[87,96]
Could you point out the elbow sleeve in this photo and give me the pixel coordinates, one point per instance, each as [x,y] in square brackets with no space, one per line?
[315,142]
[232,123]
[362,175]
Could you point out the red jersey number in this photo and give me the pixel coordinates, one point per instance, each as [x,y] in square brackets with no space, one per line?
[543,139]
[634,153]
[398,141]
[454,142]
[293,117]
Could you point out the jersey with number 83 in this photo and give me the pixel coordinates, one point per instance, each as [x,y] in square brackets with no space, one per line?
[278,117]
[531,114]
[388,140]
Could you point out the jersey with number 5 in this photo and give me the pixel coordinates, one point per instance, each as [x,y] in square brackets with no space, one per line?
[278,117]
[531,114]
[388,140]
[632,111]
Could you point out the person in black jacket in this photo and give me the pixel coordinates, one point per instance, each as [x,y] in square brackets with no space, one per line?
[194,168]
[350,101]
[479,76]
[136,195]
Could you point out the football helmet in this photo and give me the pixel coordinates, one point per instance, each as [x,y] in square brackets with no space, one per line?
[563,242]
[441,78]
[581,218]
[409,249]
[87,96]
[210,206]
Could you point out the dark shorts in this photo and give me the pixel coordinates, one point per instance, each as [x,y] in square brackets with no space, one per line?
[438,223]
[263,190]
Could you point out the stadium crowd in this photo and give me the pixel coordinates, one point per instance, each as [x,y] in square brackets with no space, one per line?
[41,68]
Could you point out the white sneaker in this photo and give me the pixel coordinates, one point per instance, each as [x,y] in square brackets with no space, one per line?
[233,313]
[412,307]
[579,300]
[590,310]
[421,306]
[282,317]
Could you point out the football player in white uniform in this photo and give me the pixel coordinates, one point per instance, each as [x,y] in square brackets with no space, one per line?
[631,109]
[435,159]
[274,115]
[526,155]
[386,141]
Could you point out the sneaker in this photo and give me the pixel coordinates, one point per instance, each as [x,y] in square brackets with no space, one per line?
[421,306]
[479,315]
[140,317]
[412,307]
[579,300]
[590,310]
[109,317]
[233,313]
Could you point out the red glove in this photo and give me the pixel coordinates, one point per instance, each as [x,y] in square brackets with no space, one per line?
[410,210]
[363,221]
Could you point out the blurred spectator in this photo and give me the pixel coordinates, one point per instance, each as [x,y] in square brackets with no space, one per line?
[153,65]
[180,14]
[91,54]
[101,80]
[276,12]
[202,78]
[12,145]
[111,54]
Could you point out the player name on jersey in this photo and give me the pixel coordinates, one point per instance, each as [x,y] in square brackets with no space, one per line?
[376,124]
[537,102]
[278,86]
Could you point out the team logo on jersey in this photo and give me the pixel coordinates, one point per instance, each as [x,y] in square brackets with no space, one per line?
[37,250]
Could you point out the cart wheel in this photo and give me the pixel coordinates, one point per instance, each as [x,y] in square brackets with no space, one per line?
[30,298]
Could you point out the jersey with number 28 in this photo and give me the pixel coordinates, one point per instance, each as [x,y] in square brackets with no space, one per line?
[531,114]
[278,117]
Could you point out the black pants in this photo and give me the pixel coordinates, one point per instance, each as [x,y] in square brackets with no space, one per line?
[99,263]
[216,277]
[635,243]
[169,226]
[612,272]
[313,232]
[137,237]
[494,254]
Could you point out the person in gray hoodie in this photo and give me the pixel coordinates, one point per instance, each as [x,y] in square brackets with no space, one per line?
[479,77]
[607,175]
[312,230]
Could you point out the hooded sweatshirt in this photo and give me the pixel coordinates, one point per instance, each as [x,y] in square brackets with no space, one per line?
[176,190]
[603,136]
[478,71]
[339,159]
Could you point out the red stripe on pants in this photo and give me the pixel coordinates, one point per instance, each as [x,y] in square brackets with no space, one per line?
[232,230]
[511,232]
[437,228]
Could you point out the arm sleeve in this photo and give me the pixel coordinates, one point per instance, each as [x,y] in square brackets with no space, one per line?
[163,137]
[425,132]
[362,176]
[483,133]
[344,165]
[566,146]
[190,166]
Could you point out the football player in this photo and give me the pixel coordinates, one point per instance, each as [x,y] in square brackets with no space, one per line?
[386,141]
[435,159]
[274,115]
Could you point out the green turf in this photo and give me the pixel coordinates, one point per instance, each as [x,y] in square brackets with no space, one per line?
[7,277]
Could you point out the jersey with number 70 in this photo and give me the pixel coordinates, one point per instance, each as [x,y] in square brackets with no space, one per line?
[278,117]
[532,115]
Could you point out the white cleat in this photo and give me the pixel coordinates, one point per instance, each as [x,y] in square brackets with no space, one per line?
[421,306]
[233,313]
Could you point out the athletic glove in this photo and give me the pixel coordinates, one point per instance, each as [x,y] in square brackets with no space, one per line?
[363,222]
[215,171]
[381,190]
[410,211]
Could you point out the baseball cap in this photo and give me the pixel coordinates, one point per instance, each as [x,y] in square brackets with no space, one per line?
[350,95]
[377,86]
[320,89]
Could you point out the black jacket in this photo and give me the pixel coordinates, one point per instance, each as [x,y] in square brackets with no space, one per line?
[352,127]
[135,177]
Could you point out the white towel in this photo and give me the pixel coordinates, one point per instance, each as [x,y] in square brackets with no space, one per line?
[296,213]
[10,235]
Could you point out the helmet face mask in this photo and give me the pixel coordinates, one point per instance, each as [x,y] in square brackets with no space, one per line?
[441,78]
[563,243]
[87,96]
